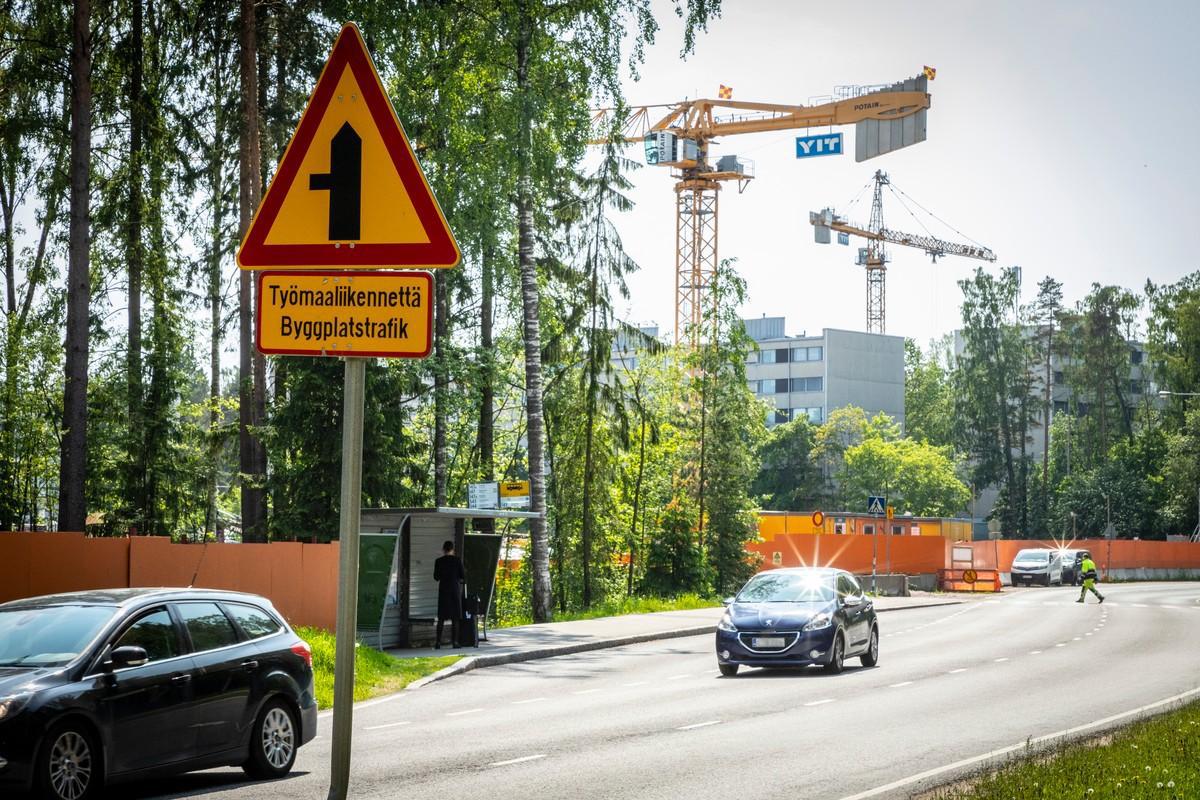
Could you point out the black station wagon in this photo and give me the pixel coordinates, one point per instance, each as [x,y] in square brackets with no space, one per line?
[111,685]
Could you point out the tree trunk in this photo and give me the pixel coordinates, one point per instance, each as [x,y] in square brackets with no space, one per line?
[440,381]
[248,366]
[134,255]
[1047,415]
[487,389]
[72,505]
[8,461]
[217,193]
[637,499]
[530,301]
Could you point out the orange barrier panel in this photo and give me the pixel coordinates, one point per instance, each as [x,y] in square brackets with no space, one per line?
[983,580]
[300,579]
[911,555]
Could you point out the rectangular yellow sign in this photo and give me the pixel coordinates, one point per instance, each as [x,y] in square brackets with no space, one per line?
[345,313]
[514,489]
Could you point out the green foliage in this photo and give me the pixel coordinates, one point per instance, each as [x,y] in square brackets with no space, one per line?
[674,562]
[916,477]
[928,394]
[1156,758]
[788,478]
[375,673]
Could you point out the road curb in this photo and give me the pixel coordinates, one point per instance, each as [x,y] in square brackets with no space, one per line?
[469,663]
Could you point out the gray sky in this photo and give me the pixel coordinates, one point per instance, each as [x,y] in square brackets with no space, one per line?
[1060,135]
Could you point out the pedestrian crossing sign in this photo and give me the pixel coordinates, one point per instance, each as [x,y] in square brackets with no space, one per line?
[876,504]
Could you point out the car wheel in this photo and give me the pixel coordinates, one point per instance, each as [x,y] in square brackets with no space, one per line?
[69,766]
[728,670]
[871,657]
[837,656]
[273,742]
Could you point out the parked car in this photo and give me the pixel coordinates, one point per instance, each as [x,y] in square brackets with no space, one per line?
[1037,565]
[1072,565]
[106,686]
[798,617]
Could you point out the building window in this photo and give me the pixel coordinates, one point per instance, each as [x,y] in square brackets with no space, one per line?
[1060,406]
[1136,387]
[781,385]
[808,384]
[807,353]
[781,416]
[897,530]
[869,530]
[1058,378]
[813,413]
[766,357]
[816,354]
[1083,408]
[752,358]
[781,355]
[1135,356]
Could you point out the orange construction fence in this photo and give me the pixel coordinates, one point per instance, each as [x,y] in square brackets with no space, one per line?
[300,579]
[911,555]
[1124,553]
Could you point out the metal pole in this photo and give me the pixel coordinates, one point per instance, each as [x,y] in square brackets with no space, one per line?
[347,623]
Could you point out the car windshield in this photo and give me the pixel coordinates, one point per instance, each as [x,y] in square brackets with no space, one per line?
[1034,556]
[48,636]
[788,587]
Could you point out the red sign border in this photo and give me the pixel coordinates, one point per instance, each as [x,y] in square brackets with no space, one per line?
[258,294]
[350,52]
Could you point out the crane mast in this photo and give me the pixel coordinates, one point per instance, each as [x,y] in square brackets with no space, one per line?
[678,135]
[874,256]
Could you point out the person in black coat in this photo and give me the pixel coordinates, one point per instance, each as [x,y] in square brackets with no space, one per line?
[449,573]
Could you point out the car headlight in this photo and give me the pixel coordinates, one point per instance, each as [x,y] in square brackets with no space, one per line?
[9,706]
[726,624]
[819,622]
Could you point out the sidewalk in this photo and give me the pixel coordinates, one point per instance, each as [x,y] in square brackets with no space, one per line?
[529,642]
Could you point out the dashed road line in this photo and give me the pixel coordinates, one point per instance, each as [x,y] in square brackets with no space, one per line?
[956,671]
[1002,658]
[819,702]
[1061,644]
[1035,652]
[389,725]
[898,685]
[527,702]
[520,760]
[461,713]
[695,725]
[587,691]
[635,683]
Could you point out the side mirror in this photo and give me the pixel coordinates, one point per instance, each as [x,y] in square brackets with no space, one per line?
[728,601]
[127,656]
[851,600]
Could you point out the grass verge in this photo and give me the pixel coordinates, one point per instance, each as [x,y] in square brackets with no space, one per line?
[375,672]
[616,608]
[1155,758]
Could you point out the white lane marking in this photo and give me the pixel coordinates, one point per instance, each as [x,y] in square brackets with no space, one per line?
[998,660]
[679,677]
[586,691]
[530,700]
[520,760]
[966,762]
[819,702]
[635,683]
[1089,633]
[699,725]
[1035,652]
[1061,644]
[956,671]
[1076,639]
[389,725]
[460,713]
[898,685]
[1140,605]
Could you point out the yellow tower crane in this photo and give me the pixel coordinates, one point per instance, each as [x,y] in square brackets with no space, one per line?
[874,257]
[887,118]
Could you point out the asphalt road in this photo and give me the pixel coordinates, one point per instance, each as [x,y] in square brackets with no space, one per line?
[657,721]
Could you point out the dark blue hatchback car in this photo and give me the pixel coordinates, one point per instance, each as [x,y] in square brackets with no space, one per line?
[798,617]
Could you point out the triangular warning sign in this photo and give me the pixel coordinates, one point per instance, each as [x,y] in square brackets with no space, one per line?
[349,191]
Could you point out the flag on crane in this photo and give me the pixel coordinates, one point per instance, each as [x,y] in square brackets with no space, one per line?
[929,71]
[726,92]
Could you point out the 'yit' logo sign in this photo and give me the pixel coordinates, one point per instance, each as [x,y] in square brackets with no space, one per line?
[349,191]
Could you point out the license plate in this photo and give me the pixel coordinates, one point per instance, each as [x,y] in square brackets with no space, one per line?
[768,641]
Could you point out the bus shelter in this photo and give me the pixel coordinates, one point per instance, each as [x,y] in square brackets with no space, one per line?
[397,595]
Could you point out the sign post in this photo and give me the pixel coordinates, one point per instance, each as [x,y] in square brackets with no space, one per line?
[349,194]
[876,506]
[347,623]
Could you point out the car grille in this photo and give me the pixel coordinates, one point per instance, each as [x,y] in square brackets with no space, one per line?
[747,640]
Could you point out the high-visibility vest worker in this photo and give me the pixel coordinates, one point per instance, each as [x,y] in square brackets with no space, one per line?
[1087,571]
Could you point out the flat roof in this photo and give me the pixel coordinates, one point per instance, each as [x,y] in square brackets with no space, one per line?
[471,513]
